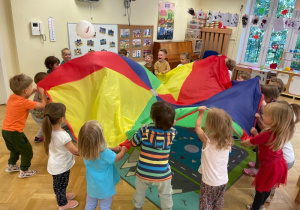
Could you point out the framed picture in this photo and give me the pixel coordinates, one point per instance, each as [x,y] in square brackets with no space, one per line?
[198,45]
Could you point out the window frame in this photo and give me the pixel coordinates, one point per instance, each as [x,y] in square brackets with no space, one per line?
[290,43]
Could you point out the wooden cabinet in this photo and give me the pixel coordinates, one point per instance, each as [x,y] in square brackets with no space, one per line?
[174,50]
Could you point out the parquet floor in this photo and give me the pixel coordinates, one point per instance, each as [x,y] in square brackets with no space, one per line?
[36,193]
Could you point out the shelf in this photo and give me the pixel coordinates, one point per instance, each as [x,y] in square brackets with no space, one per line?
[290,60]
[292,53]
[291,95]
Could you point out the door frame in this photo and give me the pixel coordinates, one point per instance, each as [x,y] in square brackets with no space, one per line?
[4,73]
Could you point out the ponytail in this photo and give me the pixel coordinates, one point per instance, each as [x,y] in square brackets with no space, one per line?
[47,130]
[53,114]
[296,109]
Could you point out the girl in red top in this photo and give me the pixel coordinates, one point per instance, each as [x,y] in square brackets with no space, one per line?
[279,118]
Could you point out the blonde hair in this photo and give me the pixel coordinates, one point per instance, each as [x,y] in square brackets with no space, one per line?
[91,141]
[53,114]
[186,55]
[279,84]
[63,50]
[19,83]
[218,125]
[283,125]
[296,109]
[244,75]
[150,55]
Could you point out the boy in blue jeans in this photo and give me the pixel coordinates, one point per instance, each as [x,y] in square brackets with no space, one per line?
[153,166]
[16,114]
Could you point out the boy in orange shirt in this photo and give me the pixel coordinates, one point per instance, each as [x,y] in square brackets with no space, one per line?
[17,109]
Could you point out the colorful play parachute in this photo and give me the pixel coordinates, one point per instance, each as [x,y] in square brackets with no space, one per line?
[119,92]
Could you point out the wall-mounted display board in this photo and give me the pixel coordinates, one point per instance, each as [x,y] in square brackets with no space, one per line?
[136,39]
[106,38]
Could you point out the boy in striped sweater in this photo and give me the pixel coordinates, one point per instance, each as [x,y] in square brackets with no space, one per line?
[153,167]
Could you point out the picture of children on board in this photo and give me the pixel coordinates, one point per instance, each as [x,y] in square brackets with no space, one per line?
[136,33]
[124,33]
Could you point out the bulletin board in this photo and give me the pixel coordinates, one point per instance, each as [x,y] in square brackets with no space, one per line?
[136,39]
[105,39]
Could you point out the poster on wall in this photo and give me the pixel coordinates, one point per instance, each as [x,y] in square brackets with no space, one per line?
[165,24]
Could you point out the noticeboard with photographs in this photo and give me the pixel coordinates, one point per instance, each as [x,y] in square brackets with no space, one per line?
[136,39]
[105,39]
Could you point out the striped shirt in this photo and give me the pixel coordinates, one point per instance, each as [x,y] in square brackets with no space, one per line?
[155,145]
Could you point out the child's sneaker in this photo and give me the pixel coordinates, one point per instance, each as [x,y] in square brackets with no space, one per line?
[262,207]
[269,199]
[28,173]
[38,140]
[70,205]
[12,168]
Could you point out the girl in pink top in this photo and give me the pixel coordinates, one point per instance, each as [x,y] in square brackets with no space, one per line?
[217,143]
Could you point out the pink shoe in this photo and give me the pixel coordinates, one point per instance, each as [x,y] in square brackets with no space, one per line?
[70,205]
[251,164]
[250,171]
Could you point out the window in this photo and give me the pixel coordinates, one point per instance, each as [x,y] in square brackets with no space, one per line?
[266,47]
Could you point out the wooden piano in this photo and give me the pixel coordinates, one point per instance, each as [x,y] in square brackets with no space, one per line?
[174,50]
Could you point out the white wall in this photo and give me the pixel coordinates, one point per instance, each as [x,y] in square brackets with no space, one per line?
[32,51]
[231,6]
[26,53]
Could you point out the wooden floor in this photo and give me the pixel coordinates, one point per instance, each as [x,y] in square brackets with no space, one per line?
[36,193]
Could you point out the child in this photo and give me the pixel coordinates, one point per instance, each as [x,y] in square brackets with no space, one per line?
[38,114]
[230,65]
[278,83]
[58,145]
[161,66]
[17,110]
[123,52]
[243,76]
[184,58]
[51,63]
[270,93]
[217,143]
[279,118]
[101,174]
[288,151]
[155,140]
[66,55]
[149,65]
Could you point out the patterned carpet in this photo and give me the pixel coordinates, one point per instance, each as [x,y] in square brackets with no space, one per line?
[185,159]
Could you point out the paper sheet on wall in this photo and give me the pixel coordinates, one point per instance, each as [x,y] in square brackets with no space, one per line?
[51,29]
[245,20]
[264,23]
[220,16]
[210,16]
[278,24]
[227,19]
[289,23]
[200,14]
[254,20]
[297,28]
[234,20]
